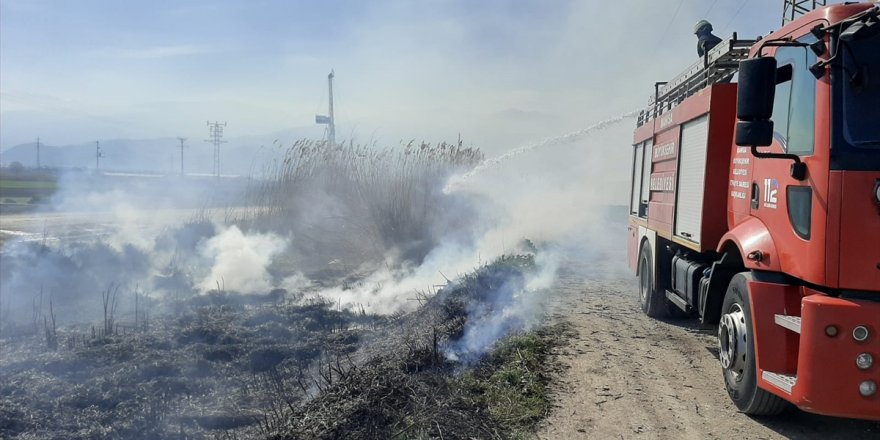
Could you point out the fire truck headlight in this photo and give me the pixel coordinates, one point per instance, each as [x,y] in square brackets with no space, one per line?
[864,361]
[867,388]
[831,331]
[860,333]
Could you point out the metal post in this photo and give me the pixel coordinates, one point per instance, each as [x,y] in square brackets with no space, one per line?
[98,155]
[215,131]
[332,125]
[793,9]
[182,140]
[329,120]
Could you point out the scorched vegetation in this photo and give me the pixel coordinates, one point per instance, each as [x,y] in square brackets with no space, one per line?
[237,327]
[280,366]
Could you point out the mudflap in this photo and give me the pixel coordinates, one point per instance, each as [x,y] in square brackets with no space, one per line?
[776,348]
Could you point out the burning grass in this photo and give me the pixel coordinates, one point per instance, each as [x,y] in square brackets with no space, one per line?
[418,391]
[257,361]
[503,396]
[280,366]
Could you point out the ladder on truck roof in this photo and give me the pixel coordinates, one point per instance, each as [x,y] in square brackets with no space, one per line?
[717,65]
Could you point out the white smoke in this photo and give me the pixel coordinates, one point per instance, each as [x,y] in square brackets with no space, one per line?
[295,283]
[240,261]
[99,231]
[543,194]
[515,306]
[558,195]
[398,286]
[563,198]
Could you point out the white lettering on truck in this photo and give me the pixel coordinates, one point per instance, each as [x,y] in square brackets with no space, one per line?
[664,150]
[662,183]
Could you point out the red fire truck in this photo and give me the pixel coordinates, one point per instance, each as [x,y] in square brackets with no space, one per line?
[756,206]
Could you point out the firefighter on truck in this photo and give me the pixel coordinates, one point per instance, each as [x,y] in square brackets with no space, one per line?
[756,207]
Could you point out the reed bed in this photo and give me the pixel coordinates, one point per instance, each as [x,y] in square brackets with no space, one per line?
[351,200]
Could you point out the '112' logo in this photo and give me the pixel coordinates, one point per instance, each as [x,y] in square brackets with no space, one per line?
[771,188]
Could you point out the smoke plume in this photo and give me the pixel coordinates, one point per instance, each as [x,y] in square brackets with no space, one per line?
[379,230]
[239,261]
[517,305]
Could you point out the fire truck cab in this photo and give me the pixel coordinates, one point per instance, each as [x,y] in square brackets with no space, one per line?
[755,205]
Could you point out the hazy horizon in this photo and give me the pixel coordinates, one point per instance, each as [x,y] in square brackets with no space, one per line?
[75,73]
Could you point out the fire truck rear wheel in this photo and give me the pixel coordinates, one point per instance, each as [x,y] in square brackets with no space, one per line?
[736,351]
[653,302]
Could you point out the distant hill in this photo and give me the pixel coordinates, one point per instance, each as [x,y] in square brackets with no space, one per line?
[242,155]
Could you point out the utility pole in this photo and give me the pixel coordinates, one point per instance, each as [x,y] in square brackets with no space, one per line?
[98,155]
[792,9]
[182,140]
[330,120]
[332,117]
[215,131]
[38,153]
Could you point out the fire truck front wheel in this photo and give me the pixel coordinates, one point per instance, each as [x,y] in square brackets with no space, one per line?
[736,351]
[653,301]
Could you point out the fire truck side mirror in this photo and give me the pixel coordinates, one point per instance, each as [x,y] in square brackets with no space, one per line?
[756,88]
[754,101]
[754,133]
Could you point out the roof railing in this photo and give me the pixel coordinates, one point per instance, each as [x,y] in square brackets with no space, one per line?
[718,65]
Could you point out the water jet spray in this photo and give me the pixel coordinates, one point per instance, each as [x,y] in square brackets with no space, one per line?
[456,182]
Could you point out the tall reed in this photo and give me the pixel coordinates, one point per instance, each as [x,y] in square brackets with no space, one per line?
[359,198]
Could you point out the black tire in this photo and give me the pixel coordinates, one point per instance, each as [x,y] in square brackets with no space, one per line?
[741,379]
[654,303]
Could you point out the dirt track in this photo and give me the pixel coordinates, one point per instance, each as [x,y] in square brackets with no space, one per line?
[628,376]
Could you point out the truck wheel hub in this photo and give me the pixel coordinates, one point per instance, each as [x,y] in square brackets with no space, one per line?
[732,340]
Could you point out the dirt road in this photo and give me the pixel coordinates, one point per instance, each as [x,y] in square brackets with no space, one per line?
[628,376]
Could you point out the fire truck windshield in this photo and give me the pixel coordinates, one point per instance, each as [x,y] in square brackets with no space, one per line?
[861,92]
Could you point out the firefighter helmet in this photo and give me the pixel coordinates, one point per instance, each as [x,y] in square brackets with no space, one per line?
[700,25]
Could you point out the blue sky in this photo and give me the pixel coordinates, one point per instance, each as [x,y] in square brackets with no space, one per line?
[498,72]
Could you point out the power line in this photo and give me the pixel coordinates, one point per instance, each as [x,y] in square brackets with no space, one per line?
[710,8]
[741,6]
[669,25]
